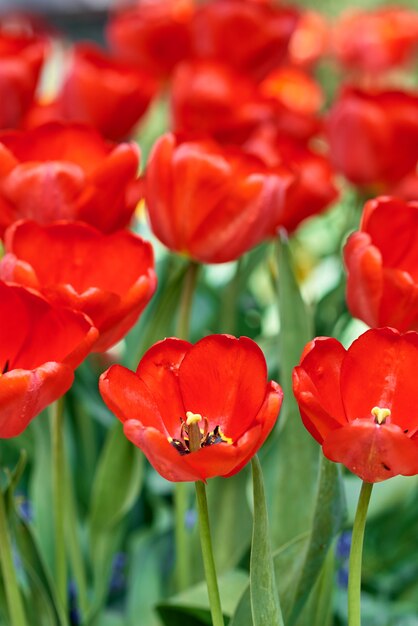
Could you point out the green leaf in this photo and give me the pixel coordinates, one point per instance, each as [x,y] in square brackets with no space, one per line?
[328,518]
[117,485]
[286,559]
[298,563]
[290,459]
[40,491]
[145,580]
[117,482]
[191,607]
[265,606]
[319,607]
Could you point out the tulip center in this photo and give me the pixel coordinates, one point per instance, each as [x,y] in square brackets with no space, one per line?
[380,415]
[193,436]
[5,368]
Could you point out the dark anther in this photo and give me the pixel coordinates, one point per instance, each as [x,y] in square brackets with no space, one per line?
[6,367]
[406,431]
[386,467]
[180,447]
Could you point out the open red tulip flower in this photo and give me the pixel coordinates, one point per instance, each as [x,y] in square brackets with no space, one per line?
[210,97]
[382,265]
[21,59]
[153,35]
[376,40]
[373,136]
[359,404]
[66,171]
[210,202]
[109,277]
[196,411]
[252,37]
[40,345]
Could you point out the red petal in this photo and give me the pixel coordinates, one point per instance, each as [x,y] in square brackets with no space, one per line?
[364,281]
[164,458]
[371,451]
[159,369]
[128,397]
[379,370]
[316,385]
[224,379]
[24,394]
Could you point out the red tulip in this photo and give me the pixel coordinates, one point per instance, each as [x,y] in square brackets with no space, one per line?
[56,260]
[382,265]
[65,172]
[104,92]
[40,345]
[196,411]
[377,40]
[313,188]
[310,40]
[209,202]
[295,100]
[154,34]
[359,403]
[251,37]
[209,97]
[374,136]
[21,59]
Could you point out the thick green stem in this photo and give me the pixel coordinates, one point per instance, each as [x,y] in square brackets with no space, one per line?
[14,599]
[181,490]
[58,497]
[207,554]
[356,553]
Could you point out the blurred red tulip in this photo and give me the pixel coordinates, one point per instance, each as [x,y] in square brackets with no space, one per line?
[209,97]
[373,136]
[382,265]
[154,34]
[56,260]
[21,59]
[295,100]
[40,345]
[62,171]
[376,40]
[209,202]
[310,40]
[105,93]
[196,411]
[313,188]
[358,403]
[251,37]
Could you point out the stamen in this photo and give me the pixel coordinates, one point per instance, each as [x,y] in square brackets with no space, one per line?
[380,414]
[193,437]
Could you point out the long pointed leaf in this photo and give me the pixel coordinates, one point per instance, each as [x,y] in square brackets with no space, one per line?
[265,606]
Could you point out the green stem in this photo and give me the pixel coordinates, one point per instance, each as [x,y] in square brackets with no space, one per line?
[207,554]
[185,307]
[73,542]
[58,498]
[181,490]
[356,552]
[14,599]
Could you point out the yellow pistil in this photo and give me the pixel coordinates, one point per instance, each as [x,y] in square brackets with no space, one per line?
[380,415]
[193,430]
[193,418]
